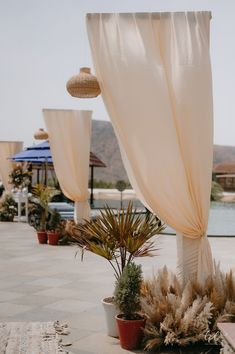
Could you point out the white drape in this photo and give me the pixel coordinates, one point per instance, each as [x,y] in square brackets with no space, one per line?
[69,135]
[155,77]
[7,150]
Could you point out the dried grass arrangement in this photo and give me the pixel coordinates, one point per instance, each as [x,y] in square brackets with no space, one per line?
[186,315]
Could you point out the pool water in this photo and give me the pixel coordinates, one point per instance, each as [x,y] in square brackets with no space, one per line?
[222,219]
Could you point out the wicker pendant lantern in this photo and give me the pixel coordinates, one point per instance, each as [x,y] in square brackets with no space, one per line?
[83,85]
[41,134]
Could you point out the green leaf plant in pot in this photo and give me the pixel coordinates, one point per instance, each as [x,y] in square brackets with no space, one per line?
[39,209]
[127,298]
[53,227]
[119,237]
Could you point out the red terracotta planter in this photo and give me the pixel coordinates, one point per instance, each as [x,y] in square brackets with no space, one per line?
[53,238]
[130,332]
[42,236]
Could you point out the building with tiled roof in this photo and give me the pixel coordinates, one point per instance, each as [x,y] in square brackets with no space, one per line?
[224,174]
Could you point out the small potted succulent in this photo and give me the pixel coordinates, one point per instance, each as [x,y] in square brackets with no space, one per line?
[53,226]
[119,237]
[127,298]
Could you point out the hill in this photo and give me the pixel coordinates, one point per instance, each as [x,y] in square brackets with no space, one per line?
[223,153]
[104,144]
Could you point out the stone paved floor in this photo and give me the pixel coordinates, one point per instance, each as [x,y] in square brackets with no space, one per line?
[45,283]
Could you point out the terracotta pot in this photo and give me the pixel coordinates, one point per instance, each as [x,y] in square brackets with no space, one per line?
[110,311]
[130,332]
[53,238]
[42,236]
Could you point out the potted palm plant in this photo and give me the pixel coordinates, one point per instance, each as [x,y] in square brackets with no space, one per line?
[53,226]
[119,237]
[41,196]
[127,298]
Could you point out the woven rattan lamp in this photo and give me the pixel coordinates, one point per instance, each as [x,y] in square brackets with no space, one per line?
[83,85]
[41,134]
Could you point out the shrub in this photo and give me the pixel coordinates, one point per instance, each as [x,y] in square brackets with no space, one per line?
[127,291]
[20,177]
[8,207]
[216,191]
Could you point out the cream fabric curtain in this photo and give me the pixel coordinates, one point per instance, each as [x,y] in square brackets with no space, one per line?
[69,135]
[7,150]
[155,77]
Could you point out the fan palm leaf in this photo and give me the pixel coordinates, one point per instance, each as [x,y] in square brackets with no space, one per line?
[119,237]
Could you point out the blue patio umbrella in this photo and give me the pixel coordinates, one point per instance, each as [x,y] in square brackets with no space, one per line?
[36,154]
[40,154]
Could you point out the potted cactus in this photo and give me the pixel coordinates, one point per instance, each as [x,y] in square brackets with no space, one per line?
[127,298]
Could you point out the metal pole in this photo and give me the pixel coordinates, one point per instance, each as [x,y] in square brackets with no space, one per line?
[45,182]
[92,186]
[38,177]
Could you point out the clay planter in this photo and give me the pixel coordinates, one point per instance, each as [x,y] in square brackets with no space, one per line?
[53,238]
[110,311]
[42,236]
[130,332]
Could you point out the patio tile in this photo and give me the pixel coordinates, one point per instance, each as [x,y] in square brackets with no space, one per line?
[50,282]
[12,309]
[43,272]
[34,300]
[88,321]
[41,314]
[101,343]
[75,334]
[27,289]
[59,293]
[104,288]
[73,306]
[9,295]
[31,258]
[9,283]
[77,351]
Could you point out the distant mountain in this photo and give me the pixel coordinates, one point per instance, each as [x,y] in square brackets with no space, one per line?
[223,153]
[104,144]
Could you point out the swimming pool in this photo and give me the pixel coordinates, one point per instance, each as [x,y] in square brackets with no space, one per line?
[221,219]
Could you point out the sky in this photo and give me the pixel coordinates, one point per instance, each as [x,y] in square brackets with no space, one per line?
[44,42]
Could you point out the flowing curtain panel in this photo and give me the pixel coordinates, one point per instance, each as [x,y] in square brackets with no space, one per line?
[8,149]
[69,135]
[155,77]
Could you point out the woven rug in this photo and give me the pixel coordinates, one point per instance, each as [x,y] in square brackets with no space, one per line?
[32,338]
